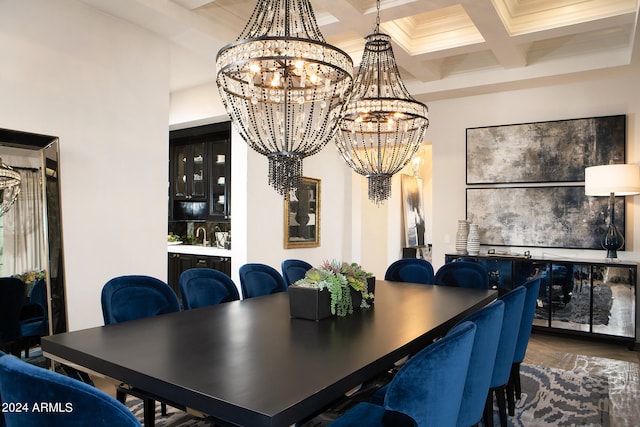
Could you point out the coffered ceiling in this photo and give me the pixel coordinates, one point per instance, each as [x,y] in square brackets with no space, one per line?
[445,48]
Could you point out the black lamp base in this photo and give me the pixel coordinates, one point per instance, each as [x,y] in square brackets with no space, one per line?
[612,241]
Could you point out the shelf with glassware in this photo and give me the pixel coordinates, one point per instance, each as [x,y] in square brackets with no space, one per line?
[200,173]
[589,297]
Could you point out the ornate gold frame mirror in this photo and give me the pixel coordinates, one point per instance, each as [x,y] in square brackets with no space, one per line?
[302,215]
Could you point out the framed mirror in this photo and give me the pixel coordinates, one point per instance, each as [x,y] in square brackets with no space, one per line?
[302,215]
[30,231]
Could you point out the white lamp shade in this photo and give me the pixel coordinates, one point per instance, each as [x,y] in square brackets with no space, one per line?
[620,179]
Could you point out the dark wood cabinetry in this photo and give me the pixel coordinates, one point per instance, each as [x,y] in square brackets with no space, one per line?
[577,296]
[182,262]
[200,173]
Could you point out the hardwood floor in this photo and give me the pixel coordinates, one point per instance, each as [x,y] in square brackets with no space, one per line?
[551,350]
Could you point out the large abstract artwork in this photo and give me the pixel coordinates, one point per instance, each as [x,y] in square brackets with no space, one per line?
[414,221]
[557,217]
[554,151]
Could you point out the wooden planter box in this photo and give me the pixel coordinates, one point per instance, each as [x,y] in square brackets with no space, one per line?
[315,304]
[309,303]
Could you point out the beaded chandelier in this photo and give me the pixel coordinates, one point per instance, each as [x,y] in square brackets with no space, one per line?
[9,187]
[284,87]
[383,125]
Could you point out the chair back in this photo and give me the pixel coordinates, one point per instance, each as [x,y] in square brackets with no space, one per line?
[12,296]
[260,279]
[413,270]
[513,305]
[464,274]
[294,270]
[135,297]
[526,323]
[429,386]
[77,403]
[488,321]
[201,287]
[34,320]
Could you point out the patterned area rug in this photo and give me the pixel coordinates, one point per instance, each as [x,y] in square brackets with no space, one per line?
[549,397]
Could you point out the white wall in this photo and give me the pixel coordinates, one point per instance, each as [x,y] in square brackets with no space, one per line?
[102,86]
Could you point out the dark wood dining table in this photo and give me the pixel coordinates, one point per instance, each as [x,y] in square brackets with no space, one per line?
[249,363]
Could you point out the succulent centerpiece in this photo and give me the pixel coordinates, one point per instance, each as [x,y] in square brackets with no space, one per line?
[347,284]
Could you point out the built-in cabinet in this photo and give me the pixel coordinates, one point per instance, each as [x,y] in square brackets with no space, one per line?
[200,173]
[577,296]
[179,262]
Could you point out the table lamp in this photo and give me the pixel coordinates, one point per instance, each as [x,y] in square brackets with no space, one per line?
[612,180]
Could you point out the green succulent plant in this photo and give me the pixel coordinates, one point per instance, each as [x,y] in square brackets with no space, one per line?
[339,278]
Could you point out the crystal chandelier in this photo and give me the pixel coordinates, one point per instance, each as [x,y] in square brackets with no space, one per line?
[9,187]
[383,125]
[283,86]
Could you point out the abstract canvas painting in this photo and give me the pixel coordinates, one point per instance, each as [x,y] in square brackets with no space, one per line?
[554,151]
[414,221]
[556,217]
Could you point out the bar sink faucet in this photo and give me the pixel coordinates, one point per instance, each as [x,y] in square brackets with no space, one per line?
[205,242]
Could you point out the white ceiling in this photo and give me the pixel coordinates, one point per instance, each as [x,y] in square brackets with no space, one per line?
[445,48]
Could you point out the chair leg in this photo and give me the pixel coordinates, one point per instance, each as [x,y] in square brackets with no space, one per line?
[515,373]
[502,407]
[487,416]
[163,409]
[121,396]
[149,412]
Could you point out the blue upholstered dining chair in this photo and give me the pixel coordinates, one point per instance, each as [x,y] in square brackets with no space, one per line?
[428,388]
[294,270]
[201,287]
[34,319]
[526,323]
[12,296]
[464,274]
[132,297]
[260,279]
[79,404]
[414,270]
[513,305]
[488,321]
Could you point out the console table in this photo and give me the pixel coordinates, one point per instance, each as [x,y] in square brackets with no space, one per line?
[579,296]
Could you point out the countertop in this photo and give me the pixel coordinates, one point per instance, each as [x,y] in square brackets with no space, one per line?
[198,250]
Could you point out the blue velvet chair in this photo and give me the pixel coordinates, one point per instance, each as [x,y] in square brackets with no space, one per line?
[513,305]
[526,323]
[12,296]
[34,319]
[488,323]
[134,297]
[294,270]
[428,388]
[464,274]
[201,287]
[260,279]
[413,270]
[79,404]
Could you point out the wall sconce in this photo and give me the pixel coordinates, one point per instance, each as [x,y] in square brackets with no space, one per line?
[612,180]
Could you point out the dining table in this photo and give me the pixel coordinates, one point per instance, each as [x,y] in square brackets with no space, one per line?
[249,363]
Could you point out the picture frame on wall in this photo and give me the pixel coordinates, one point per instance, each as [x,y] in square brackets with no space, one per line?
[551,216]
[413,211]
[552,151]
[302,215]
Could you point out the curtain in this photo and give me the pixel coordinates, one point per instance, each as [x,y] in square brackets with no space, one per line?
[23,227]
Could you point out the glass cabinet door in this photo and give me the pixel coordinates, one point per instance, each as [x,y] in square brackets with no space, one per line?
[180,176]
[198,159]
[569,288]
[614,300]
